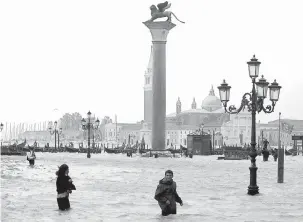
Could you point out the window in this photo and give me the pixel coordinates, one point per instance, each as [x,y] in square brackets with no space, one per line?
[185,142]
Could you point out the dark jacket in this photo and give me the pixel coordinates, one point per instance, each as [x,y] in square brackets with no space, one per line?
[167,190]
[265,153]
[63,184]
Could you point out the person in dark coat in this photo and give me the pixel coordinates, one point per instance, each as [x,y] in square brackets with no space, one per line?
[265,154]
[64,187]
[166,194]
[31,157]
[275,154]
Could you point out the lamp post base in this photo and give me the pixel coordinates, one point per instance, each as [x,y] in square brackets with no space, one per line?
[253,189]
[88,153]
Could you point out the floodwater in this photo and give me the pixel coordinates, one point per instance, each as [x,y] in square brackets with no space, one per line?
[113,187]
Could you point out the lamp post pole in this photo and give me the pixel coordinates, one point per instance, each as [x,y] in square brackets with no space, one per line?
[1,128]
[213,140]
[133,136]
[55,131]
[280,156]
[89,126]
[262,138]
[201,130]
[59,133]
[254,102]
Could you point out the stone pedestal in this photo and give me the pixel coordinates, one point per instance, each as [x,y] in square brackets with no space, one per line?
[159,32]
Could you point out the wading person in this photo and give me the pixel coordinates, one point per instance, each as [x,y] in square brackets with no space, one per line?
[275,154]
[64,187]
[166,194]
[31,157]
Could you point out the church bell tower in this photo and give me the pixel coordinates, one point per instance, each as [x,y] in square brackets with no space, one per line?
[194,104]
[148,87]
[178,106]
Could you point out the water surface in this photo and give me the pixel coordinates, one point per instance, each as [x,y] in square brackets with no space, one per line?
[113,187]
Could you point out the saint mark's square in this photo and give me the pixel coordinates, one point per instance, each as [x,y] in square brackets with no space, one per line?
[105,121]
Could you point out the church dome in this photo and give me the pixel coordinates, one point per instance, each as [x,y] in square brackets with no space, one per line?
[211,102]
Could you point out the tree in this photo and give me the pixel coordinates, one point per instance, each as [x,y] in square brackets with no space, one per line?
[76,121]
[71,121]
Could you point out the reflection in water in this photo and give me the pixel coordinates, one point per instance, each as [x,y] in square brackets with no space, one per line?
[118,188]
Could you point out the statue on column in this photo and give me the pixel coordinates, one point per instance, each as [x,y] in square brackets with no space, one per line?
[161,13]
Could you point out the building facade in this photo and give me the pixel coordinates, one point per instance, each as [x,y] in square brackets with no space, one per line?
[288,128]
[237,131]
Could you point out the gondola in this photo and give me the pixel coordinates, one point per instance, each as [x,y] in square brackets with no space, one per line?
[71,150]
[113,150]
[141,151]
[174,151]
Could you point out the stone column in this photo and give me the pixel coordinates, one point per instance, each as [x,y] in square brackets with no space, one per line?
[159,32]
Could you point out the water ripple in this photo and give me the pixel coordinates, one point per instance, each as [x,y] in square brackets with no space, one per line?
[117,188]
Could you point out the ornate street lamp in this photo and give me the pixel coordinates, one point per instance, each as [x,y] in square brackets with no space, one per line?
[89,126]
[56,132]
[254,102]
[1,128]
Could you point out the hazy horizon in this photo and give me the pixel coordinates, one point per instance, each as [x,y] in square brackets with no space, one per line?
[77,56]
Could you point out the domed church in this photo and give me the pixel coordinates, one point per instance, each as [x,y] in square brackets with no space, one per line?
[211,112]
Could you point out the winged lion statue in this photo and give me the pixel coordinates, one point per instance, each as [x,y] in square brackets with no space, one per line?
[159,12]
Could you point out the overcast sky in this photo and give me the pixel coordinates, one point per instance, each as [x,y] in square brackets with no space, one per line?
[75,56]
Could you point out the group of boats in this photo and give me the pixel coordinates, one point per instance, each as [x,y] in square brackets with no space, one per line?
[228,152]
[23,148]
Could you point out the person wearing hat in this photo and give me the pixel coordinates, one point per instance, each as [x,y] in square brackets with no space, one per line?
[166,194]
[64,187]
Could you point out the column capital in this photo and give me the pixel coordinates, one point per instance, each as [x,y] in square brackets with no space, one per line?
[159,30]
